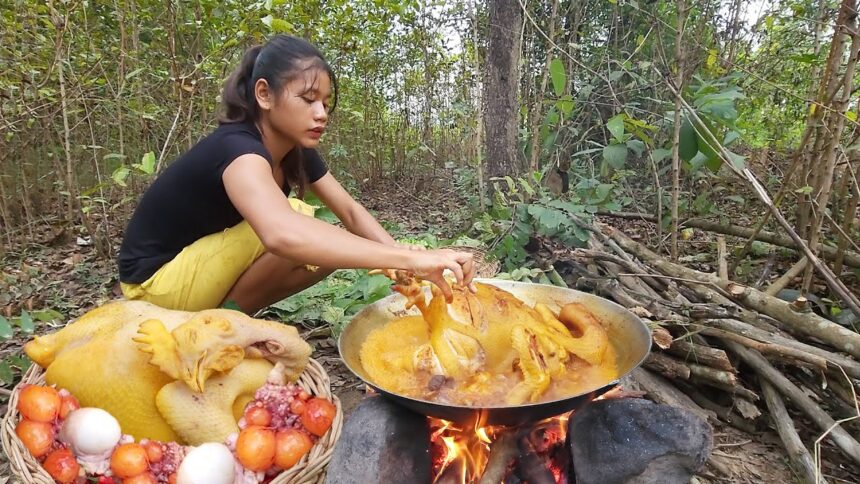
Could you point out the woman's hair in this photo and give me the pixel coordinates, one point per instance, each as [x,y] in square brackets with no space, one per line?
[282,59]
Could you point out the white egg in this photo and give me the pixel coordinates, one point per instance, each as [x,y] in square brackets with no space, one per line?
[90,431]
[209,463]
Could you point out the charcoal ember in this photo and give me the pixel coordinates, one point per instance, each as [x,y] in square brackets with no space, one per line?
[633,440]
[381,442]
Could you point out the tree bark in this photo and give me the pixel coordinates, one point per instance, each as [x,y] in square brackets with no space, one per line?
[500,88]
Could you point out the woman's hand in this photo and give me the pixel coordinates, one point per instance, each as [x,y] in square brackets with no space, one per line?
[430,265]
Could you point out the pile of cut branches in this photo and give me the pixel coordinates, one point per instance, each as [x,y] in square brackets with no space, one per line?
[727,351]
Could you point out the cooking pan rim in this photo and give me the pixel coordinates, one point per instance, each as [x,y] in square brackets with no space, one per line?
[606,385]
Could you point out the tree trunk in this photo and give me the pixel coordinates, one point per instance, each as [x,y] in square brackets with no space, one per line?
[500,94]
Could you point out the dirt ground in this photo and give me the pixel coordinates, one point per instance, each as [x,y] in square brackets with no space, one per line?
[56,270]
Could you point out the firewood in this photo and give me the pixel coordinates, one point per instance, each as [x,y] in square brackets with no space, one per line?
[503,452]
[797,453]
[786,278]
[704,355]
[662,391]
[771,349]
[736,389]
[851,367]
[722,263]
[666,366]
[808,324]
[849,446]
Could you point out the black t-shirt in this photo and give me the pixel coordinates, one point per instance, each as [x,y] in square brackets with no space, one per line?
[188,200]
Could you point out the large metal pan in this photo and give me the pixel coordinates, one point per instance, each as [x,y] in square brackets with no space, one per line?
[627,332]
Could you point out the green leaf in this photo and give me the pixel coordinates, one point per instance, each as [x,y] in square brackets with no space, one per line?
[636,146]
[688,146]
[615,125]
[660,154]
[134,73]
[147,163]
[804,190]
[47,315]
[730,138]
[231,304]
[559,77]
[282,26]
[5,328]
[737,160]
[26,322]
[565,105]
[615,155]
[120,174]
[6,375]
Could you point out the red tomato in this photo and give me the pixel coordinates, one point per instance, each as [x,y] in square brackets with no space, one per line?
[40,404]
[255,448]
[62,466]
[129,460]
[37,437]
[291,445]
[106,480]
[318,415]
[260,416]
[145,478]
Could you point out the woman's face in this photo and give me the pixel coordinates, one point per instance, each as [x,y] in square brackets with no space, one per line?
[300,112]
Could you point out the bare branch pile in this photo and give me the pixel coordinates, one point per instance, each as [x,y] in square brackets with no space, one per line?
[727,351]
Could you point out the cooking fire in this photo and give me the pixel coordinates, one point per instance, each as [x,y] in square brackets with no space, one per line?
[474,453]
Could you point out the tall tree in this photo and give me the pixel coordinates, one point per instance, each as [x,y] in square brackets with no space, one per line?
[500,88]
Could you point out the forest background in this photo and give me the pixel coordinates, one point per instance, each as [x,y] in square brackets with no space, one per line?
[506,121]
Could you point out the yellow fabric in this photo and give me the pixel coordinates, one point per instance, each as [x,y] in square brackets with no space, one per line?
[201,276]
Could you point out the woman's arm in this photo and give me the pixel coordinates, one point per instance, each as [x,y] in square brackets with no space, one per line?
[354,216]
[252,190]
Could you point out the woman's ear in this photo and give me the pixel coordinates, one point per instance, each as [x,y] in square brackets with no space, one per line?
[264,95]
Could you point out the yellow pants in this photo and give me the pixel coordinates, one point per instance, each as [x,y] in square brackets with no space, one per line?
[201,276]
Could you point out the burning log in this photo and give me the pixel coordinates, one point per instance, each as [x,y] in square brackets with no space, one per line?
[503,454]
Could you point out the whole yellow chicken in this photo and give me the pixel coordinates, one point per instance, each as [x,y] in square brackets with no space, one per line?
[149,366]
[476,339]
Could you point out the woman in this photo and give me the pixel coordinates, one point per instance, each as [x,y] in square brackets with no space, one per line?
[217,225]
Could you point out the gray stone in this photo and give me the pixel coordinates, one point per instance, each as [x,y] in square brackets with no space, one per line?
[381,442]
[633,440]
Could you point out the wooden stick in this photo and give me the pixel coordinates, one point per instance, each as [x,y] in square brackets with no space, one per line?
[837,434]
[851,366]
[779,351]
[722,263]
[703,355]
[797,453]
[666,366]
[662,391]
[785,279]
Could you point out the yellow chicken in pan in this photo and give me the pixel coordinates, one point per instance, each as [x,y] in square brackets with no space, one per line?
[484,347]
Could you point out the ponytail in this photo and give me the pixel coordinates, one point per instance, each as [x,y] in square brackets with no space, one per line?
[238,97]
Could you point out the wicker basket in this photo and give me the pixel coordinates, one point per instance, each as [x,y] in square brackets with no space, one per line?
[310,469]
